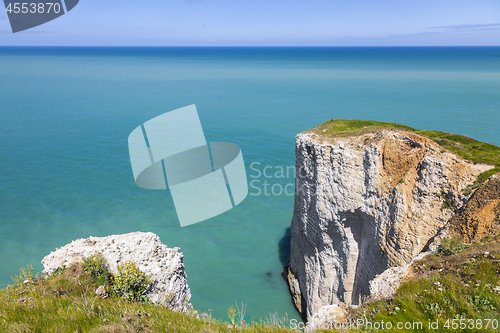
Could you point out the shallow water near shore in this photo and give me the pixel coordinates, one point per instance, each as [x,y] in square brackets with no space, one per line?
[67,113]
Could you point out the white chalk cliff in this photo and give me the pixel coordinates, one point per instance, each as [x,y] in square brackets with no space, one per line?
[364,204]
[164,264]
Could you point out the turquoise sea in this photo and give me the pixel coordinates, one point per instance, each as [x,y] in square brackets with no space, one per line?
[66,114]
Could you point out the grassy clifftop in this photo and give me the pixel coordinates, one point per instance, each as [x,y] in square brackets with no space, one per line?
[459,285]
[67,302]
[461,145]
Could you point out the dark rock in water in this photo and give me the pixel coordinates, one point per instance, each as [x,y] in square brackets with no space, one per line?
[284,247]
[269,274]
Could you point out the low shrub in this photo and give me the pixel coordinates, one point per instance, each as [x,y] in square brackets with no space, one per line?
[96,266]
[131,283]
[450,246]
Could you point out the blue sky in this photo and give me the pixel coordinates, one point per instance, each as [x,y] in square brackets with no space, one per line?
[267,23]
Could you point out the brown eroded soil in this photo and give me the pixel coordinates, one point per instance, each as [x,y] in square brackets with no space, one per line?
[401,156]
[481,215]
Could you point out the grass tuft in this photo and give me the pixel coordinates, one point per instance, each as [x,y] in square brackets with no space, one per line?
[26,274]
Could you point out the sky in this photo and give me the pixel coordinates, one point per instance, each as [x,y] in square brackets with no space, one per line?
[267,23]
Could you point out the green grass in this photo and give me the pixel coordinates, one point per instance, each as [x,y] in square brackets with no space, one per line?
[461,145]
[459,282]
[462,283]
[465,147]
[66,302]
[344,126]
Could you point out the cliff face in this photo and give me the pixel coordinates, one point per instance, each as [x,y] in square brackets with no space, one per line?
[364,204]
[165,265]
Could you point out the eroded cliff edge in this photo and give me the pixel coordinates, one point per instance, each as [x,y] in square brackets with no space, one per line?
[366,203]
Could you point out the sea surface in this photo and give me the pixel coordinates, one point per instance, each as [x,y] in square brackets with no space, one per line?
[66,114]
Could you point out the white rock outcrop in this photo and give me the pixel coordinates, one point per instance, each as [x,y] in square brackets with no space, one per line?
[364,204]
[326,318]
[385,285]
[164,264]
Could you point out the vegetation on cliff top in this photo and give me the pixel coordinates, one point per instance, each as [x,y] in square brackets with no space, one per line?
[459,287]
[461,145]
[67,302]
